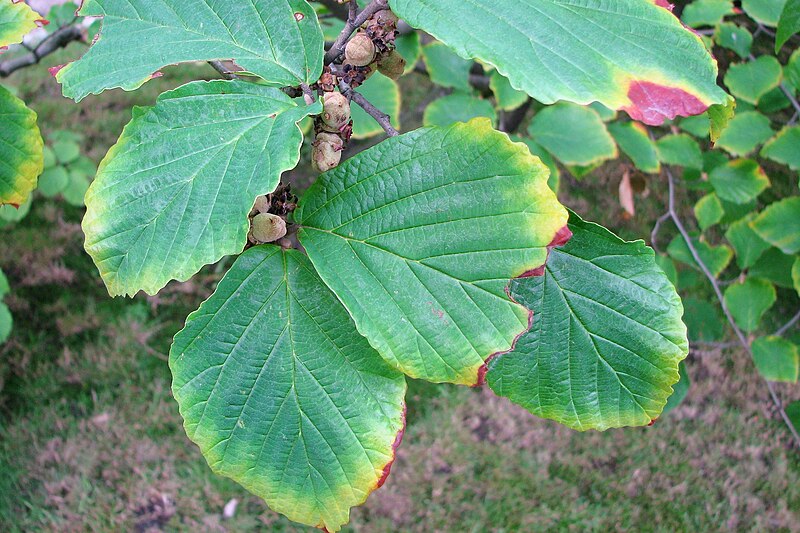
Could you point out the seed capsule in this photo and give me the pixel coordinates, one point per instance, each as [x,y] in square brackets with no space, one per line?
[393,65]
[335,111]
[360,51]
[267,227]
[385,17]
[326,155]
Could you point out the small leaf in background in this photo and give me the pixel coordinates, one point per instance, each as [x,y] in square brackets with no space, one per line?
[10,214]
[21,149]
[679,150]
[75,191]
[734,212]
[574,134]
[419,237]
[49,158]
[745,132]
[764,11]
[53,181]
[17,19]
[446,68]
[704,320]
[4,286]
[384,94]
[604,347]
[606,114]
[66,151]
[457,107]
[708,211]
[734,37]
[719,116]
[681,390]
[793,412]
[776,359]
[740,181]
[792,70]
[281,42]
[706,12]
[751,80]
[634,141]
[779,225]
[410,48]
[774,266]
[187,172]
[748,245]
[698,125]
[283,395]
[785,147]
[6,322]
[527,42]
[507,97]
[796,274]
[554,181]
[749,300]
[716,258]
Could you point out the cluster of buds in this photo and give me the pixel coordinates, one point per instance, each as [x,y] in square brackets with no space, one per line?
[267,218]
[333,129]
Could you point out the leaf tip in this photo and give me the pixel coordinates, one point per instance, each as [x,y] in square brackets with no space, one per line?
[387,469]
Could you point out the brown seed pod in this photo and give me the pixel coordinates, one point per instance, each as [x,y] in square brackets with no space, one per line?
[331,138]
[266,227]
[262,205]
[335,111]
[385,17]
[393,65]
[325,156]
[360,50]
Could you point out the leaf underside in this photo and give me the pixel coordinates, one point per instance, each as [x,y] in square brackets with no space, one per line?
[283,395]
[21,149]
[419,238]
[606,339]
[278,40]
[631,55]
[173,194]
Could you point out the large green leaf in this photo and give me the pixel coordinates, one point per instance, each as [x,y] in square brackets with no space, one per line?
[283,395]
[420,236]
[779,225]
[631,55]
[173,194]
[21,149]
[16,20]
[606,338]
[278,40]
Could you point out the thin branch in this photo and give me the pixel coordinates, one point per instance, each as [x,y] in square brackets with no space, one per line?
[656,230]
[227,74]
[380,117]
[786,327]
[715,285]
[337,49]
[58,39]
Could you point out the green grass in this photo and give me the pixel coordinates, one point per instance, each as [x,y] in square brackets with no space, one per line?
[91,440]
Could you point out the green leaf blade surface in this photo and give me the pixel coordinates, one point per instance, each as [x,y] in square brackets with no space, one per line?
[283,395]
[21,150]
[17,19]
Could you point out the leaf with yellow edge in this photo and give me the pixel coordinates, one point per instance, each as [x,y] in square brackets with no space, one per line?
[21,149]
[17,19]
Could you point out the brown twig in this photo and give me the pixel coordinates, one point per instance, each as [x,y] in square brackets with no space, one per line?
[58,39]
[337,49]
[718,292]
[380,117]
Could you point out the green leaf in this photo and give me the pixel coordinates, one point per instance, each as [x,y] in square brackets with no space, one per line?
[796,274]
[6,322]
[10,214]
[21,149]
[554,181]
[764,11]
[751,80]
[634,141]
[53,181]
[789,23]
[4,286]
[708,211]
[668,266]
[779,225]
[445,67]
[606,114]
[66,151]
[703,319]
[679,150]
[278,40]
[76,189]
[748,245]
[681,389]
[283,395]
[745,132]
[16,21]
[384,94]
[719,116]
[740,181]
[574,134]
[457,107]
[580,51]
[410,48]
[173,194]
[419,237]
[606,339]
[776,359]
[734,37]
[774,266]
[706,12]
[698,125]
[783,147]
[716,258]
[508,97]
[749,300]
[792,70]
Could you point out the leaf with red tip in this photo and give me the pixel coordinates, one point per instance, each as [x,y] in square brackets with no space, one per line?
[633,55]
[283,395]
[606,339]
